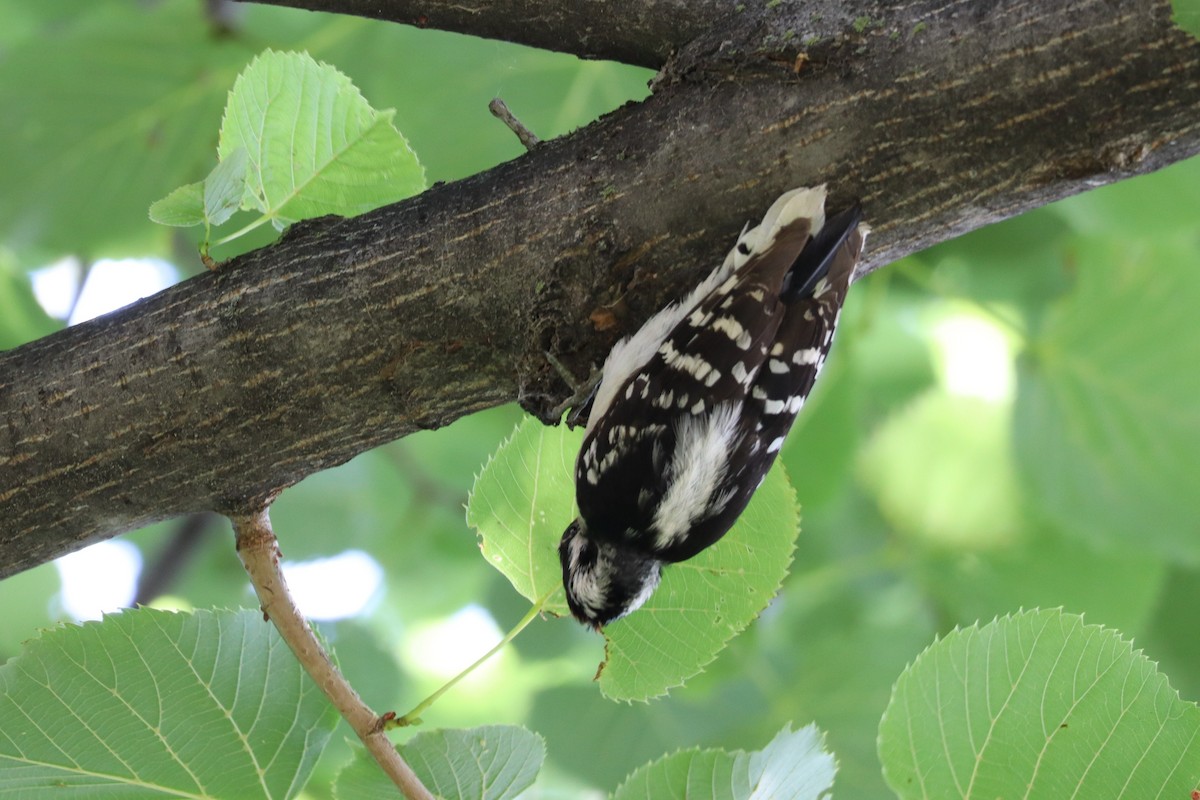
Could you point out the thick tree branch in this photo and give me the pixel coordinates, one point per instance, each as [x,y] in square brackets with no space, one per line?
[222,391]
[641,32]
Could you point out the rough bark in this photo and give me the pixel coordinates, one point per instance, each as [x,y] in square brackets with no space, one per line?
[222,391]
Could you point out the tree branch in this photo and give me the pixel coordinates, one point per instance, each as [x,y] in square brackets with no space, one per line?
[641,32]
[259,551]
[222,391]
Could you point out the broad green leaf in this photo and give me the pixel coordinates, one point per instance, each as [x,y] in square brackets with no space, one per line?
[182,208]
[1107,426]
[151,703]
[315,145]
[1038,705]
[794,766]
[225,185]
[494,762]
[522,502]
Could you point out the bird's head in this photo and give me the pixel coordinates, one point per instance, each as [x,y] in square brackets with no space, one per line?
[604,581]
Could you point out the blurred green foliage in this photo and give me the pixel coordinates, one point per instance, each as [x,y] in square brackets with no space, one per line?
[1008,419]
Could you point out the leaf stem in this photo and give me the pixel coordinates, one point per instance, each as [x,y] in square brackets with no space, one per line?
[413,717]
[259,551]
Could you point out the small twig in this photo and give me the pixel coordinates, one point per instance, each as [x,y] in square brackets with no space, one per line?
[414,717]
[259,550]
[500,111]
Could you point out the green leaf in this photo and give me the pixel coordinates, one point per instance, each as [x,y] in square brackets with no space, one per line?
[794,766]
[182,208]
[149,703]
[522,502]
[524,499]
[1107,425]
[224,186]
[315,145]
[1038,705]
[494,762]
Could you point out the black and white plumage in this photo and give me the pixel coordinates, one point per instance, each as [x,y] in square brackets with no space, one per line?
[693,408]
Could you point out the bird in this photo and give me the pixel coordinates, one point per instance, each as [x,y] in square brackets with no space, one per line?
[693,408]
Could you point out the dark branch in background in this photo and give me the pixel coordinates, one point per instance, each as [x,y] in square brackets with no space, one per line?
[641,32]
[224,390]
[173,559]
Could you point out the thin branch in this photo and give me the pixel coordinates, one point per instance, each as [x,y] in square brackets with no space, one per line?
[501,112]
[259,551]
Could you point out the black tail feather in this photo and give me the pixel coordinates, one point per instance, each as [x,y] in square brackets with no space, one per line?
[814,260]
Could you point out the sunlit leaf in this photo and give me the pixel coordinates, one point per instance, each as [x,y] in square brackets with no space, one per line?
[181,208]
[521,502]
[151,703]
[1038,705]
[225,185]
[315,145]
[794,766]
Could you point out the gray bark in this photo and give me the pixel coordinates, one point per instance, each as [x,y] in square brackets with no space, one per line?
[226,389]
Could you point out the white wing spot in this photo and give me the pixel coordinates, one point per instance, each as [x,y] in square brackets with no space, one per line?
[734,330]
[775,445]
[778,367]
[739,373]
[698,408]
[773,407]
[713,377]
[758,393]
[806,357]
